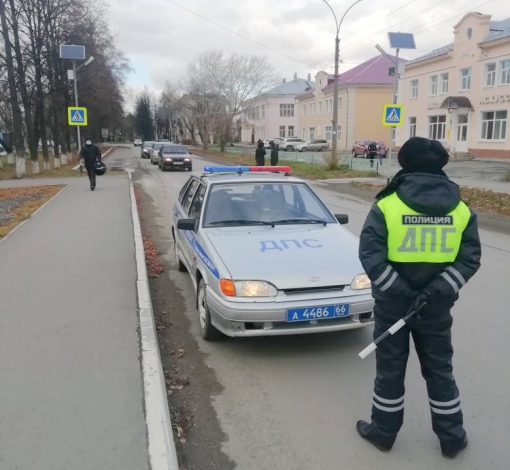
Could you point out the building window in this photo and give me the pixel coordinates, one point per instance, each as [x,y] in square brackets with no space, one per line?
[494,125]
[286,110]
[437,127]
[291,131]
[311,133]
[490,75]
[263,111]
[282,132]
[310,108]
[303,109]
[327,131]
[433,85]
[313,108]
[412,127]
[320,107]
[414,89]
[505,72]
[303,133]
[444,80]
[465,79]
[338,133]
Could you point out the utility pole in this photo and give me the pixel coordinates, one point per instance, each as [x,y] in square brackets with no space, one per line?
[334,148]
[76,103]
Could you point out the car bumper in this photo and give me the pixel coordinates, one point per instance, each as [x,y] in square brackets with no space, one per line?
[171,165]
[269,319]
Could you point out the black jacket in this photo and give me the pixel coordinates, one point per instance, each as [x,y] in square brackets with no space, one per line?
[260,153]
[90,153]
[429,194]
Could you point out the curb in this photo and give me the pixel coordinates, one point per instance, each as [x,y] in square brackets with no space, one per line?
[161,445]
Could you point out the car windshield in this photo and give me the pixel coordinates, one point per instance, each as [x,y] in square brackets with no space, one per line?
[241,204]
[180,150]
[367,142]
[148,144]
[157,146]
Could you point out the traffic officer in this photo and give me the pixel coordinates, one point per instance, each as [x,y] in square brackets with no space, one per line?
[89,155]
[420,244]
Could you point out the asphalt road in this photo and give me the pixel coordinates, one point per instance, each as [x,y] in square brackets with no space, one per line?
[291,403]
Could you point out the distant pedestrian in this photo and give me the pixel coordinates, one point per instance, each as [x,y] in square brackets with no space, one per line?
[274,153]
[89,155]
[259,142]
[260,154]
[372,152]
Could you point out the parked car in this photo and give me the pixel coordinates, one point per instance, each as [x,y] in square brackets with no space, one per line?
[146,149]
[289,143]
[360,147]
[277,140]
[318,144]
[137,142]
[154,152]
[174,157]
[258,248]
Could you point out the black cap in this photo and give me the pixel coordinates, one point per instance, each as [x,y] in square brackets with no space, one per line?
[419,154]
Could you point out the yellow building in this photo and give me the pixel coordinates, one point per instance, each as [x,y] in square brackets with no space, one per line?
[363,92]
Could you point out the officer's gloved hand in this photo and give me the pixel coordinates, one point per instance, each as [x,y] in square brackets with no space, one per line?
[421,297]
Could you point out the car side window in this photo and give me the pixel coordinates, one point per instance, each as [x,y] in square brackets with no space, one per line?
[188,195]
[196,205]
[183,190]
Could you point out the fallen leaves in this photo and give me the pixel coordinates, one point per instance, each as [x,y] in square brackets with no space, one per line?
[18,204]
[154,267]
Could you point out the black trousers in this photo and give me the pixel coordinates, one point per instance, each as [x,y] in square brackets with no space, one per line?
[92,176]
[431,333]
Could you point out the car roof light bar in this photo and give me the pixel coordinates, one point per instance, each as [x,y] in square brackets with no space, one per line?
[246,169]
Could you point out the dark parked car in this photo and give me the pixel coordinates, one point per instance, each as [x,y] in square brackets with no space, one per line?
[174,157]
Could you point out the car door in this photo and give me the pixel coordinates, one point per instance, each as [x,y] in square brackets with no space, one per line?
[185,238]
[195,212]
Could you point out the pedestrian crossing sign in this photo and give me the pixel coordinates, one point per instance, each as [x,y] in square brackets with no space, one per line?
[392,115]
[77,116]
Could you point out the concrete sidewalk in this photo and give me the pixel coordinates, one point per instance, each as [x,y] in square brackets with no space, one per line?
[71,394]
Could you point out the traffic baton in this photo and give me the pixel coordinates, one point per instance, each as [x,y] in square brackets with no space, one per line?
[390,331]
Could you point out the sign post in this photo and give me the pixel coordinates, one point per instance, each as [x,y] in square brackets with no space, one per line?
[79,115]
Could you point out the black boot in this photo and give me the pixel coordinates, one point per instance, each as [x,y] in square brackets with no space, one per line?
[451,453]
[369,433]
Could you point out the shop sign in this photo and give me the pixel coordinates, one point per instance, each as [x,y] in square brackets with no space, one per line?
[495,99]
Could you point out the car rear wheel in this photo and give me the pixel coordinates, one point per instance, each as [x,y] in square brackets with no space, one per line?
[209,333]
[289,148]
[323,149]
[304,149]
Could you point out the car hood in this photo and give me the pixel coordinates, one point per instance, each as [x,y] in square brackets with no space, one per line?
[296,256]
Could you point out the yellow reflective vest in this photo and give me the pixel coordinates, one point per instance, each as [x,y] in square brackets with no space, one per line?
[418,238]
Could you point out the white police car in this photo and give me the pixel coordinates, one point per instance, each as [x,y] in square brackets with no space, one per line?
[266,256]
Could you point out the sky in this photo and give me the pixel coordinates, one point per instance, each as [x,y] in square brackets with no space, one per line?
[161,37]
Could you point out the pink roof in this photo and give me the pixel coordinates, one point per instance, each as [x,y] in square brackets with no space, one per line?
[371,72]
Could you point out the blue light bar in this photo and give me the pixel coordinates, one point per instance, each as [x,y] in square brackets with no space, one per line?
[227,169]
[246,169]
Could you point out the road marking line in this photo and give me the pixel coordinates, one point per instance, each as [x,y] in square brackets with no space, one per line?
[162,452]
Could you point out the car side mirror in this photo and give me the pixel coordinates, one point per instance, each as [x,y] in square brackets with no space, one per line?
[342,218]
[186,224]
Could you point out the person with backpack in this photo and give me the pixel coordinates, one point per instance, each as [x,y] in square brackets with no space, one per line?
[372,152]
[260,154]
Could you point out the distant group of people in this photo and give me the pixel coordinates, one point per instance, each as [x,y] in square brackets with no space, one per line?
[260,153]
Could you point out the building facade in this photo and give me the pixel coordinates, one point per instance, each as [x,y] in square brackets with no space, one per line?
[460,93]
[273,114]
[363,92]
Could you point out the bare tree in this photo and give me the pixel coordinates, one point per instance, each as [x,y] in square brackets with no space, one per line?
[17,119]
[225,82]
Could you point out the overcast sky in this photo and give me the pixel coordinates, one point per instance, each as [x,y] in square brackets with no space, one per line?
[161,37]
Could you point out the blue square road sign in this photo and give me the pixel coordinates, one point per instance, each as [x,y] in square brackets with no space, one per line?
[392,115]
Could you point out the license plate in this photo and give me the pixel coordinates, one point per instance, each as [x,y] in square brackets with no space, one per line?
[178,163]
[326,312]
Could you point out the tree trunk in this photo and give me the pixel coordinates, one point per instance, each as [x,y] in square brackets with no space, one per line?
[22,82]
[16,110]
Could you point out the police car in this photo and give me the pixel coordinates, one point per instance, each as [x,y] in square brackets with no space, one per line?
[266,256]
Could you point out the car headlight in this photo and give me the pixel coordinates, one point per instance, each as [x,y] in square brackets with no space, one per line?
[186,159]
[360,282]
[167,159]
[247,288]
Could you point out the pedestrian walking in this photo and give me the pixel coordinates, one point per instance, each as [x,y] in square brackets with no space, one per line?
[372,152]
[89,155]
[274,153]
[260,154]
[420,244]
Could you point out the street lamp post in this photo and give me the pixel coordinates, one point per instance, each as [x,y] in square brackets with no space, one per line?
[334,157]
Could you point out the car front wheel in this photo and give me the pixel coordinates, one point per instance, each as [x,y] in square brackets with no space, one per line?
[304,149]
[209,333]
[289,148]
